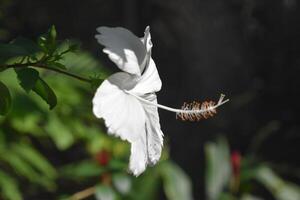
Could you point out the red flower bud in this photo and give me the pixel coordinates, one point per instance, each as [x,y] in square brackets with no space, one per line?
[236,163]
[103,157]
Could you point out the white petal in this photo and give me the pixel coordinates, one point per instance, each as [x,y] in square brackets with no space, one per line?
[149,82]
[125,49]
[153,130]
[147,39]
[123,114]
[138,156]
[124,117]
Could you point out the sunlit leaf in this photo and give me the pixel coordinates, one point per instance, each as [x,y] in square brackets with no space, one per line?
[28,123]
[226,196]
[83,169]
[104,192]
[56,65]
[20,166]
[8,187]
[35,159]
[59,132]
[116,164]
[218,169]
[177,185]
[122,183]
[5,99]
[250,197]
[280,189]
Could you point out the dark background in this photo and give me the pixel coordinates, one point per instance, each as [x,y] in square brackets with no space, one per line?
[246,49]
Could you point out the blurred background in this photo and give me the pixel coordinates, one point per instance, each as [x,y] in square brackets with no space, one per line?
[246,49]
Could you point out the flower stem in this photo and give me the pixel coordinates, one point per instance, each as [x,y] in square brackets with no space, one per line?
[42,66]
[83,194]
[220,102]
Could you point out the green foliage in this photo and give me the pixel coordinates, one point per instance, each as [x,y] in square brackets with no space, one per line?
[47,42]
[147,186]
[45,92]
[20,47]
[220,182]
[29,118]
[37,160]
[177,184]
[122,182]
[104,192]
[71,123]
[281,190]
[82,170]
[8,187]
[5,99]
[46,53]
[218,170]
[28,78]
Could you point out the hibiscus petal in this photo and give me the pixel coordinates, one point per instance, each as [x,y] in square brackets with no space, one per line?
[147,39]
[149,82]
[153,130]
[138,157]
[124,116]
[125,49]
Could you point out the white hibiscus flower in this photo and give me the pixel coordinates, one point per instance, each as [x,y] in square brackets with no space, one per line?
[127,101]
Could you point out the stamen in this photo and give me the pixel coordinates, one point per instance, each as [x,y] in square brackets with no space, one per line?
[207,106]
[194,111]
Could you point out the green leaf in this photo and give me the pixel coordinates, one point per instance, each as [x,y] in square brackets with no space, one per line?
[52,34]
[250,197]
[227,196]
[117,165]
[177,185]
[95,82]
[42,42]
[37,160]
[59,132]
[25,169]
[218,168]
[43,90]
[47,41]
[281,190]
[5,99]
[104,192]
[10,50]
[28,78]
[57,65]
[18,47]
[29,46]
[122,183]
[147,186]
[83,169]
[8,187]
[74,47]
[19,165]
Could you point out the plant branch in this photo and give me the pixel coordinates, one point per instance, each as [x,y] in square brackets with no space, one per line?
[83,194]
[43,66]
